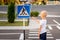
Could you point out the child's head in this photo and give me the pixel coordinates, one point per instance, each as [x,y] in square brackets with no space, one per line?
[43,14]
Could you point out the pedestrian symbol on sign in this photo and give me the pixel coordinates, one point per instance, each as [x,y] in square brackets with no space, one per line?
[23,12]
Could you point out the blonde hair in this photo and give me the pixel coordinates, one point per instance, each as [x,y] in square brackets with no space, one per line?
[44,13]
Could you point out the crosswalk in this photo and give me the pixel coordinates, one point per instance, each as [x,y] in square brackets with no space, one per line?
[33,33]
[51,27]
[10,34]
[49,35]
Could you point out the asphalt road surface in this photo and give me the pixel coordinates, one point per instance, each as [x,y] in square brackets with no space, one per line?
[52,9]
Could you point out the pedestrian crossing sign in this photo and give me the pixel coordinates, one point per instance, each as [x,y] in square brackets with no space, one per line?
[23,11]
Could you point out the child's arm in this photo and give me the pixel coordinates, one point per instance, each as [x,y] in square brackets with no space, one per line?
[35,19]
[39,30]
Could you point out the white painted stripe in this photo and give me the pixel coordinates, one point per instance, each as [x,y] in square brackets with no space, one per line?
[49,34]
[21,36]
[58,27]
[52,15]
[57,39]
[33,37]
[33,32]
[50,27]
[56,22]
[50,37]
[14,27]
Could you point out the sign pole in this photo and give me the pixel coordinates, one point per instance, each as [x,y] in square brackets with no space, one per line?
[23,12]
[24,27]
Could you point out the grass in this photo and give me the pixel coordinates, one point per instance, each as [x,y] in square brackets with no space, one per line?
[3,15]
[17,23]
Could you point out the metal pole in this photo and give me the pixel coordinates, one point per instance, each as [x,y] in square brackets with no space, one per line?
[24,27]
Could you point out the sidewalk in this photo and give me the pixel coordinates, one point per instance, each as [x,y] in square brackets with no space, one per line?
[32,25]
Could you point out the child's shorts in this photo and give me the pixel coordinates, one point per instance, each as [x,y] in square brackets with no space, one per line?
[43,36]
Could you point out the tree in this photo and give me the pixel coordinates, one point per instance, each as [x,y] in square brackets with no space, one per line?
[11,12]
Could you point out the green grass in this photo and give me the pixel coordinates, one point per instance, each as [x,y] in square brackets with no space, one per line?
[3,15]
[17,23]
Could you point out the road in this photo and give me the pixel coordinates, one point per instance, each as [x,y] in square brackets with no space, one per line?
[52,9]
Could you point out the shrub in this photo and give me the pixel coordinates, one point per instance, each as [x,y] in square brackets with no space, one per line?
[34,14]
[11,12]
[43,3]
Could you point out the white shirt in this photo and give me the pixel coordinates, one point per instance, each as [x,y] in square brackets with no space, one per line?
[43,24]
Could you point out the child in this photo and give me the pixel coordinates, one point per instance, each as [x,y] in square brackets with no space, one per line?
[42,28]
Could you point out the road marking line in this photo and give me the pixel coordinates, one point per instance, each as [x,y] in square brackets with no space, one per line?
[49,34]
[50,37]
[33,32]
[21,36]
[50,27]
[52,15]
[57,39]
[58,27]
[56,22]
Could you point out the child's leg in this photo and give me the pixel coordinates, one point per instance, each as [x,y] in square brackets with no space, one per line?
[43,36]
